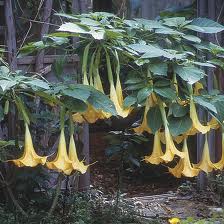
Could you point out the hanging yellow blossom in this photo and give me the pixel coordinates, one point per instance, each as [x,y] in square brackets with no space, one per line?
[205,164]
[177,170]
[195,121]
[144,125]
[188,170]
[29,157]
[76,164]
[220,165]
[61,162]
[155,157]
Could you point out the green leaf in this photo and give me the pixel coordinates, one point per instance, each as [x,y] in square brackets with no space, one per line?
[77,93]
[129,101]
[135,86]
[178,110]
[74,105]
[38,83]
[149,24]
[154,118]
[205,102]
[174,22]
[190,74]
[192,38]
[167,30]
[205,25]
[159,69]
[101,102]
[144,93]
[179,125]
[165,92]
[7,84]
[148,50]
[73,28]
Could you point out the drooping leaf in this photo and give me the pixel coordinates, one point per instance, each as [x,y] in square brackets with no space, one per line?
[159,69]
[154,118]
[190,74]
[129,101]
[144,93]
[205,25]
[178,110]
[179,125]
[166,92]
[205,102]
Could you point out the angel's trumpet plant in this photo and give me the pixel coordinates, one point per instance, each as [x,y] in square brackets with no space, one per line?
[205,164]
[61,163]
[29,157]
[77,165]
[213,123]
[220,165]
[188,170]
[116,93]
[171,149]
[155,157]
[197,87]
[195,121]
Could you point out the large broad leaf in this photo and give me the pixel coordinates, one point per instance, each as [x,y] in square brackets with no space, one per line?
[77,92]
[159,69]
[7,84]
[74,105]
[179,125]
[149,24]
[129,101]
[149,51]
[168,31]
[166,92]
[101,102]
[178,110]
[190,74]
[144,93]
[37,83]
[192,38]
[205,25]
[154,118]
[174,22]
[73,28]
[205,102]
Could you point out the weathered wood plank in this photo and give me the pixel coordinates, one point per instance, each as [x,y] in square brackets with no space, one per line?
[11,35]
[44,30]
[48,59]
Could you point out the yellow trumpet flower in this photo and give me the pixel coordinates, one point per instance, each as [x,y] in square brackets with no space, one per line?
[194,117]
[213,123]
[205,164]
[76,164]
[144,125]
[220,165]
[29,157]
[61,162]
[197,87]
[77,117]
[177,170]
[188,170]
[171,149]
[155,157]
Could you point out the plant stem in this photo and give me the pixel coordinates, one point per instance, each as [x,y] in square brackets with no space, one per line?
[57,193]
[15,201]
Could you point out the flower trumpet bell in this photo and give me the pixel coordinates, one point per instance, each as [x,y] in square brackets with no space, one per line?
[196,123]
[157,152]
[171,149]
[61,163]
[29,157]
[177,170]
[188,170]
[76,164]
[116,97]
[205,164]
[220,165]
[144,126]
